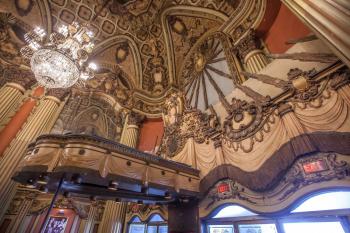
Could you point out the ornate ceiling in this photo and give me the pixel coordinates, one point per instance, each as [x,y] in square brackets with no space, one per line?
[144,48]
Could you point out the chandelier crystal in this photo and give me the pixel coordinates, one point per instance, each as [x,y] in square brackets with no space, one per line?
[59,60]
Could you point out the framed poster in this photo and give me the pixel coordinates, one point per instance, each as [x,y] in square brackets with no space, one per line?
[56,224]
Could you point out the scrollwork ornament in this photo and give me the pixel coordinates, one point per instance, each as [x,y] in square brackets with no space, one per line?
[182,123]
[298,178]
[340,79]
[302,85]
[244,119]
[235,192]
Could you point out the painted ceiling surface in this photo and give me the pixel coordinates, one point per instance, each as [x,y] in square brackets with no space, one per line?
[144,48]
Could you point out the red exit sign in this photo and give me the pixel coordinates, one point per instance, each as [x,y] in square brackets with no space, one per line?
[223,187]
[315,166]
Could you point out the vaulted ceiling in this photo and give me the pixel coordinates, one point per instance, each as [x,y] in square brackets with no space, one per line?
[144,48]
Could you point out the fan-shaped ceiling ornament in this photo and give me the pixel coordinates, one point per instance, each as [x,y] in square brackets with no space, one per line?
[208,74]
[146,23]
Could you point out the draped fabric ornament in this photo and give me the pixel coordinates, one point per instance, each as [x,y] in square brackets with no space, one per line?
[59,60]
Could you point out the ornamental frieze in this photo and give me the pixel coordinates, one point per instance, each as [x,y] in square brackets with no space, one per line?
[306,174]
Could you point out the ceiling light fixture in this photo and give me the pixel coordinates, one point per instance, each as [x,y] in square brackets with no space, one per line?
[59,60]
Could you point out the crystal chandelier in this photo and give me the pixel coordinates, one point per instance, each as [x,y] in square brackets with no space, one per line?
[59,60]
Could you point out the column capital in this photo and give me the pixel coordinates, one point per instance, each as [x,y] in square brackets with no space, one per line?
[135,119]
[58,93]
[248,44]
[24,78]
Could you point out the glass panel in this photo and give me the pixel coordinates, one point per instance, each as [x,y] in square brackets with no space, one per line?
[319,227]
[152,229]
[137,228]
[233,211]
[221,229]
[163,229]
[136,219]
[325,201]
[156,218]
[257,228]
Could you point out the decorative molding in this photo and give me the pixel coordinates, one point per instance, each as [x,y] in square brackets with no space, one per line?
[272,170]
[181,123]
[243,120]
[266,79]
[306,57]
[305,174]
[303,85]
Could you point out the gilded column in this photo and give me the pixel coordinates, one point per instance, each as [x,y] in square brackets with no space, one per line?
[16,83]
[36,124]
[329,20]
[250,51]
[113,217]
[114,213]
[91,218]
[131,129]
[28,198]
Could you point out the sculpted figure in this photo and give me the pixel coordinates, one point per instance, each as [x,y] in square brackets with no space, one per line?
[173,109]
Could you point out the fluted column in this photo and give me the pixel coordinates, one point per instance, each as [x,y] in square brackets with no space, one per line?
[36,124]
[91,218]
[131,130]
[16,83]
[329,20]
[114,213]
[113,217]
[251,54]
[23,211]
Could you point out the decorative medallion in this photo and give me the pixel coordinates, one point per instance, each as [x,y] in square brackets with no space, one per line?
[121,53]
[23,7]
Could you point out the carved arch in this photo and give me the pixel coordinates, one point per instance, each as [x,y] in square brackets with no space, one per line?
[246,11]
[220,70]
[134,51]
[98,126]
[184,11]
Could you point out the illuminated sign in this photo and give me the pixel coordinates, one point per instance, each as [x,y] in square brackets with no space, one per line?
[315,166]
[223,187]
